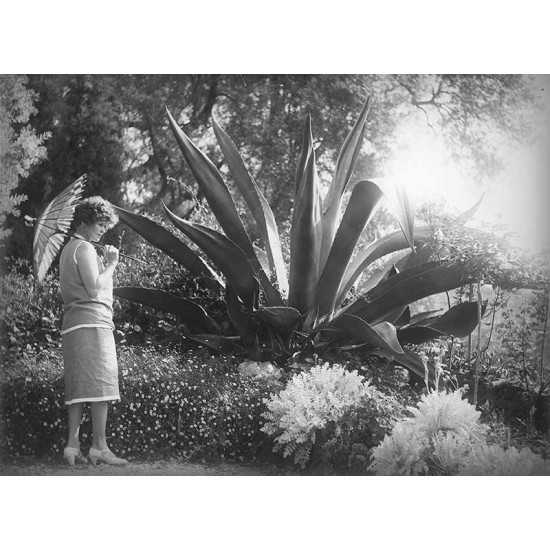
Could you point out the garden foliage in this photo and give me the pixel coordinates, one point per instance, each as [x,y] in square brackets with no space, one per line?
[330,412]
[276,311]
[29,317]
[197,406]
[445,437]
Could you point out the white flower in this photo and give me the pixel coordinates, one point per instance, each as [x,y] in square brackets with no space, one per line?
[308,403]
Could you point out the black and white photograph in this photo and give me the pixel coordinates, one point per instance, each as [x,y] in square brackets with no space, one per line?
[281,274]
[259,274]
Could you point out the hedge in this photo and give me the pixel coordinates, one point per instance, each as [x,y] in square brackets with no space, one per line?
[196,405]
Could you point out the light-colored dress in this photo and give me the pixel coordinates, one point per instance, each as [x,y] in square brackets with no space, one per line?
[89,352]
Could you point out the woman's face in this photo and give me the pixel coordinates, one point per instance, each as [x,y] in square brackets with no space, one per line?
[97,230]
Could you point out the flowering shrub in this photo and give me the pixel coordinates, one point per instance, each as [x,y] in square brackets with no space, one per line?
[444,437]
[496,461]
[322,408]
[198,406]
[29,317]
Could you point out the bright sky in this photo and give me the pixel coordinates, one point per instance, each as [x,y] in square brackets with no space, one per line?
[518,197]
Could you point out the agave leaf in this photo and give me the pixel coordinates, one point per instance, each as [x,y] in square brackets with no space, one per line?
[467,214]
[410,361]
[281,319]
[458,321]
[305,242]
[363,201]
[405,214]
[404,318]
[407,287]
[225,254]
[240,317]
[271,294]
[214,189]
[418,334]
[258,205]
[389,269]
[421,255]
[345,165]
[382,335]
[381,247]
[262,258]
[419,318]
[192,314]
[160,237]
[393,315]
[383,338]
[214,341]
[307,148]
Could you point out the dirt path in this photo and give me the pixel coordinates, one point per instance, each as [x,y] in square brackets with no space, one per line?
[171,467]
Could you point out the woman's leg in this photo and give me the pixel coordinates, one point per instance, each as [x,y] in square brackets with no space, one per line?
[99,423]
[75,418]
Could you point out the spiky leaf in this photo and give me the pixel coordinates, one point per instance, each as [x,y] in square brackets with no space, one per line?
[305,241]
[192,314]
[215,342]
[382,335]
[345,165]
[161,238]
[258,205]
[458,321]
[225,254]
[214,189]
[468,214]
[282,319]
[361,205]
[407,287]
[240,316]
[405,214]
[385,245]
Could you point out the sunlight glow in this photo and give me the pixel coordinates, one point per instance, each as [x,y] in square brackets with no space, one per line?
[517,198]
[422,165]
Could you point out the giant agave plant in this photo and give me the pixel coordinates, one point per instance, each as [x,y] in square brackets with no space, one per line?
[278,313]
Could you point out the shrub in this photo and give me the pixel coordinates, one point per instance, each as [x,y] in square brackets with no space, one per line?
[496,461]
[444,437]
[29,317]
[330,411]
[196,406]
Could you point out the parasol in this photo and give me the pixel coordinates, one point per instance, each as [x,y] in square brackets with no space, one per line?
[52,227]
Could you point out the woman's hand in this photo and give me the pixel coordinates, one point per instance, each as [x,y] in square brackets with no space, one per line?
[111,255]
[86,259]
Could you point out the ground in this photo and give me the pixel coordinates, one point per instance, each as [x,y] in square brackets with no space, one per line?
[37,467]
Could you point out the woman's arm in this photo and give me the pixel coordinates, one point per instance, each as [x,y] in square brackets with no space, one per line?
[92,277]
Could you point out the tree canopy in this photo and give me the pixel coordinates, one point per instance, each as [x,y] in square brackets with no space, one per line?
[115,129]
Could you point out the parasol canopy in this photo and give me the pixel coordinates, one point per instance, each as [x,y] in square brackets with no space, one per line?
[52,226]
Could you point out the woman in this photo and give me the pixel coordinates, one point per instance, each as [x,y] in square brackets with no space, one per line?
[89,353]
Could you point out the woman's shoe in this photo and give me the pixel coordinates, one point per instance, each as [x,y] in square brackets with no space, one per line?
[107,456]
[73,455]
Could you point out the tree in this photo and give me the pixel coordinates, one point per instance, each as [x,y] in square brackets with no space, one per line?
[21,147]
[86,137]
[114,127]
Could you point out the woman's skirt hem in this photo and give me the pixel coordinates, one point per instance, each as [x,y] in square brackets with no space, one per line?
[93,399]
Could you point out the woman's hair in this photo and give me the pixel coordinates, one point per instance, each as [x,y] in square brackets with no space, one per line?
[94,210]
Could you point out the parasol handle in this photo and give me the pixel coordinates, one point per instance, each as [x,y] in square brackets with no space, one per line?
[29,222]
[102,247]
